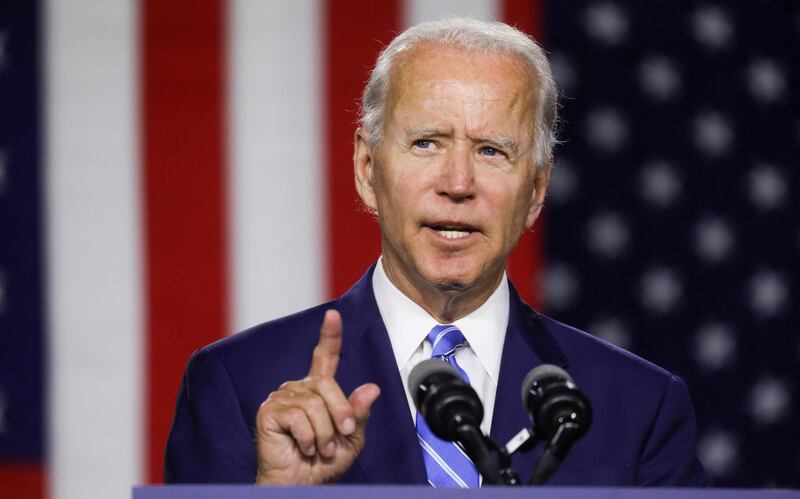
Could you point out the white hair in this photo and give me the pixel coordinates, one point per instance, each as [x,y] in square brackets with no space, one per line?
[469,34]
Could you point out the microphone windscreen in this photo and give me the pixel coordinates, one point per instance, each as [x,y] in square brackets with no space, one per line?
[425,369]
[540,373]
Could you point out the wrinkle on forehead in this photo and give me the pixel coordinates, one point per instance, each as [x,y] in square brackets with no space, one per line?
[433,77]
[468,95]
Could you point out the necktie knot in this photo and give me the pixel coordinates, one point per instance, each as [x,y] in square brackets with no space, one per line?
[445,338]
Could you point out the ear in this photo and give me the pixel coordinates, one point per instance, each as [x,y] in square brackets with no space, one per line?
[363,164]
[540,181]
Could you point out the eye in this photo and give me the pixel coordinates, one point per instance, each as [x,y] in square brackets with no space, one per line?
[423,144]
[490,151]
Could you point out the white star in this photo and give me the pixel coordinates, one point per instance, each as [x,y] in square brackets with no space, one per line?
[767,187]
[718,451]
[612,330]
[769,400]
[661,290]
[660,184]
[713,133]
[715,346]
[767,81]
[563,182]
[712,27]
[607,129]
[713,239]
[768,293]
[606,22]
[560,286]
[659,78]
[563,71]
[608,235]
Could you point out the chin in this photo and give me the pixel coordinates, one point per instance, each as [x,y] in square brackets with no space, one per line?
[451,279]
[455,286]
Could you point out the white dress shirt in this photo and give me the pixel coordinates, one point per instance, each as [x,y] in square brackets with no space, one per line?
[484,329]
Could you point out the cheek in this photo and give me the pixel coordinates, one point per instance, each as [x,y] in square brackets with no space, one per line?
[392,202]
[404,191]
[509,207]
[395,206]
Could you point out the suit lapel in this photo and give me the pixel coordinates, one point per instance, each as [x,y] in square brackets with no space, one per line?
[527,345]
[391,453]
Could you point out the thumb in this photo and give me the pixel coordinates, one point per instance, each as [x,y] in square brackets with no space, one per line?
[361,401]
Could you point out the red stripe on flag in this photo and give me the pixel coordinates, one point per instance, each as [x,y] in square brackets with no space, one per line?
[525,264]
[184,184]
[525,15]
[22,481]
[355,32]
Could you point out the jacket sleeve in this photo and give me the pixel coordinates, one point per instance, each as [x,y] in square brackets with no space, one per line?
[210,440]
[668,457]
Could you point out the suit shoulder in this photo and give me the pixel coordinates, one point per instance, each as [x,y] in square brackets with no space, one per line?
[586,352]
[641,412]
[287,333]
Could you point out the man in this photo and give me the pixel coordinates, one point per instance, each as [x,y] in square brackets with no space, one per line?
[453,156]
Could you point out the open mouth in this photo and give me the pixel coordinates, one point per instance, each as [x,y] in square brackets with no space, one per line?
[452,231]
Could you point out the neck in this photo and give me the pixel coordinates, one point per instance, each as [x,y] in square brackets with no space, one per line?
[445,302]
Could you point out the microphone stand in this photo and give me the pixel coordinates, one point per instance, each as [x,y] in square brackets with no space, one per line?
[493,463]
[554,453]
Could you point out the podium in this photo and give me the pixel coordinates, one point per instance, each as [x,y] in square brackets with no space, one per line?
[417,492]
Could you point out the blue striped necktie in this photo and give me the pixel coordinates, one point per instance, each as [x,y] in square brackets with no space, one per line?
[446,462]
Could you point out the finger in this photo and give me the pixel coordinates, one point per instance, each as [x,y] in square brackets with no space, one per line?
[326,353]
[324,405]
[290,420]
[361,401]
[339,408]
[303,396]
[321,423]
[299,427]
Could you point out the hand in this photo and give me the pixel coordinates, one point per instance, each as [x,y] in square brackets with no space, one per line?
[307,431]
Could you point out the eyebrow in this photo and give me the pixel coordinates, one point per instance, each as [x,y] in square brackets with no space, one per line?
[501,140]
[424,132]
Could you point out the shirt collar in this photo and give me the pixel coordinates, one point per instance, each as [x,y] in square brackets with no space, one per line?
[407,323]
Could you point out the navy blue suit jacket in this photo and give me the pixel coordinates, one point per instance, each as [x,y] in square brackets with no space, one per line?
[643,431]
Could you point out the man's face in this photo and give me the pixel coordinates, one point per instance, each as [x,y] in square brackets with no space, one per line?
[452,180]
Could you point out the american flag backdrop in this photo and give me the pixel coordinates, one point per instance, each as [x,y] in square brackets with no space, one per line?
[673,226]
[171,173]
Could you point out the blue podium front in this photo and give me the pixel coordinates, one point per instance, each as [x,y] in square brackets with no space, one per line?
[415,492]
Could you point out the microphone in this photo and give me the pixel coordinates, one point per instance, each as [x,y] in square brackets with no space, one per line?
[444,399]
[561,413]
[453,412]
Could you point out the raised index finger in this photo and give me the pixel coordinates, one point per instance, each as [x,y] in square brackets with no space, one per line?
[326,353]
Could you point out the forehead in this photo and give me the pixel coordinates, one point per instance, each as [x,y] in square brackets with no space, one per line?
[431,72]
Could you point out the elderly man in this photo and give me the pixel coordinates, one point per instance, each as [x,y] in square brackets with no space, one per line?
[453,156]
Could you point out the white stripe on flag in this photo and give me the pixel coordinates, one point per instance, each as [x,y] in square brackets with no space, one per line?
[277,171]
[93,239]
[425,10]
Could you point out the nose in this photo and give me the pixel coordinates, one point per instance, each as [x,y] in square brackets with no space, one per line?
[456,176]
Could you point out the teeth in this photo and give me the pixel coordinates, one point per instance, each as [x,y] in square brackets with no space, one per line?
[453,234]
